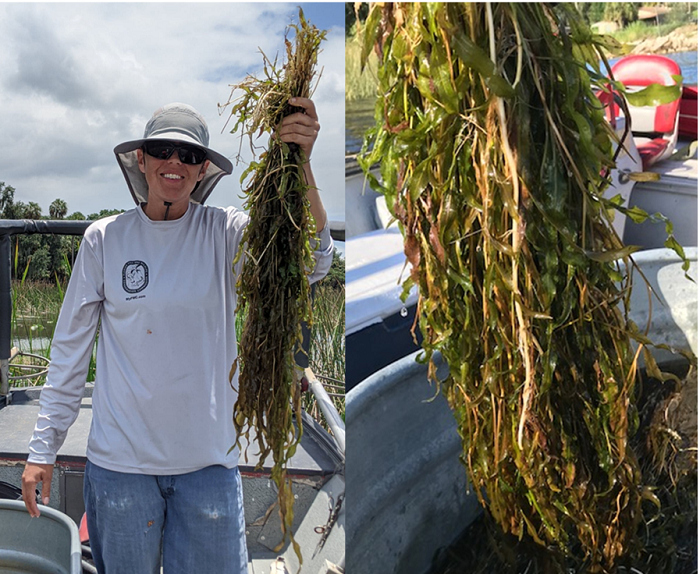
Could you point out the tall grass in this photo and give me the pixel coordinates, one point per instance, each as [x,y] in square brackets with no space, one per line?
[35,309]
[327,352]
[641,31]
[327,347]
[36,305]
[359,83]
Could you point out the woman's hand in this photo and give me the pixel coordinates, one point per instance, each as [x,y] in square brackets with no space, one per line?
[34,474]
[302,127]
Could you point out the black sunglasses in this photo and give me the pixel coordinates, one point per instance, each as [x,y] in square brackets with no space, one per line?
[189,154]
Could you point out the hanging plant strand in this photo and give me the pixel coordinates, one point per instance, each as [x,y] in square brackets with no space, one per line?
[493,153]
[273,287]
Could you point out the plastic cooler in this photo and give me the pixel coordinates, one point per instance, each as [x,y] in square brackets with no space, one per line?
[377,323]
[48,544]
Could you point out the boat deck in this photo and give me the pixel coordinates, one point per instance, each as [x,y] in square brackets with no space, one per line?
[316,471]
[18,419]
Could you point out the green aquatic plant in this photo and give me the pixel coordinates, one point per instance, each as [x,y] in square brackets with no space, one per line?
[276,258]
[494,153]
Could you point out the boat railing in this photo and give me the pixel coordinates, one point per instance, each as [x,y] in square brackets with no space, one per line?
[330,413]
[11,227]
[337,228]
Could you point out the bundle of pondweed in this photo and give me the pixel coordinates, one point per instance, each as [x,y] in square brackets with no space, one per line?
[273,287]
[493,151]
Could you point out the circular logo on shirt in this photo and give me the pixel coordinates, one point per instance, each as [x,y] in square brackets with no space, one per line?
[134,276]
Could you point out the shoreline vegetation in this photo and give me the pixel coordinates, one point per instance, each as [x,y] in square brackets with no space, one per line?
[637,38]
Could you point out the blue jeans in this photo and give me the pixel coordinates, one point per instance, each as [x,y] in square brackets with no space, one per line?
[194,520]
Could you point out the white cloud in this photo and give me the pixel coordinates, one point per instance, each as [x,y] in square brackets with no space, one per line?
[78,79]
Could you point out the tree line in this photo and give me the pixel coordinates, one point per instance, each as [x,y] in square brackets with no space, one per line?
[50,257]
[43,257]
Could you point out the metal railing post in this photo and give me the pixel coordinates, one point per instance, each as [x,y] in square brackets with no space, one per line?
[5,314]
[335,422]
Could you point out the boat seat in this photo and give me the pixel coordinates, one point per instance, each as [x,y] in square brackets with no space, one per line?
[655,128]
[652,150]
[688,120]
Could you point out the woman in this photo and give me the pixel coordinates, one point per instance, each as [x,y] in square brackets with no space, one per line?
[160,282]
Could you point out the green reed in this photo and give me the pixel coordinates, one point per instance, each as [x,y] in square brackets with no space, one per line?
[494,152]
[327,347]
[35,309]
[360,82]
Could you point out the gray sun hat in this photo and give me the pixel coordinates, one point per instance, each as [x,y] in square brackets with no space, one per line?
[174,122]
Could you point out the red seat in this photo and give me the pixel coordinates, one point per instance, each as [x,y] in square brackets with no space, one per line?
[83,530]
[688,119]
[655,128]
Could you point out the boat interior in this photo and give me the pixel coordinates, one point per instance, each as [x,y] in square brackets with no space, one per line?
[316,471]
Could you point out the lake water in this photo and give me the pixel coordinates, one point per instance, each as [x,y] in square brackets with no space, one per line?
[33,334]
[688,61]
[359,114]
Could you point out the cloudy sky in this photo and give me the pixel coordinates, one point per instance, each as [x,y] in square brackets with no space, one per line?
[78,79]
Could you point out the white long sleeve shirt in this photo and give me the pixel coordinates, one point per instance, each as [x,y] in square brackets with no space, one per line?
[164,295]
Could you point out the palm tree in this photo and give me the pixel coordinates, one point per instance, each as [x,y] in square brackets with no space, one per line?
[58,209]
